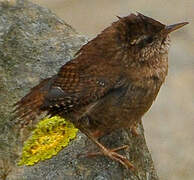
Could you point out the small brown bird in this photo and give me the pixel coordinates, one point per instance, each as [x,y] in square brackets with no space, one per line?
[111,83]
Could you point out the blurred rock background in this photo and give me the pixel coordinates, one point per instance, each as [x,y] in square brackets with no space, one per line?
[169,124]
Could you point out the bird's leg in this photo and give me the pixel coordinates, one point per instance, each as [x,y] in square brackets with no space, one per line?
[134,130]
[110,153]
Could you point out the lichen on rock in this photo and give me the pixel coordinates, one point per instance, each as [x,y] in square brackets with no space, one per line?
[49,137]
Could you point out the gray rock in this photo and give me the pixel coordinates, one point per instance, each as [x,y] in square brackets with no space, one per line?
[34,43]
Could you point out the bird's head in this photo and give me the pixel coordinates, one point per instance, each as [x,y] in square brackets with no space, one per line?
[143,36]
[136,37]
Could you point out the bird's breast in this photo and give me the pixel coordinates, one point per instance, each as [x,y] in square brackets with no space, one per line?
[140,95]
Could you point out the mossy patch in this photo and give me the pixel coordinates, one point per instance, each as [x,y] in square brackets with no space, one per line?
[50,136]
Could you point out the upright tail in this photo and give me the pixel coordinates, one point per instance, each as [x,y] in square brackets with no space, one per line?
[29,107]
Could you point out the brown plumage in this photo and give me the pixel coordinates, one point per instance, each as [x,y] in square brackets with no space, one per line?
[111,83]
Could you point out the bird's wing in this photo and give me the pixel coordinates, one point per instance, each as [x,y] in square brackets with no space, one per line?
[77,85]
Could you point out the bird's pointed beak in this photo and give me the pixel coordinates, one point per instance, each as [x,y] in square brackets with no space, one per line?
[170,28]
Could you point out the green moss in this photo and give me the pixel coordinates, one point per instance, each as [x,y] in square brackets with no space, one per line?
[50,136]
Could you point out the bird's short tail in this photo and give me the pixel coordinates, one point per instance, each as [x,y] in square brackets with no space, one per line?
[29,107]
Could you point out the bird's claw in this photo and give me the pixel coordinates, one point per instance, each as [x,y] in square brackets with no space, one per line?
[121,159]
[112,154]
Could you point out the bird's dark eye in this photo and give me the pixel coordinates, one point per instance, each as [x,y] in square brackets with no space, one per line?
[145,41]
[142,41]
[149,39]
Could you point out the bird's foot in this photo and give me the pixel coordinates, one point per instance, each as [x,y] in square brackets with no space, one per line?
[101,153]
[112,154]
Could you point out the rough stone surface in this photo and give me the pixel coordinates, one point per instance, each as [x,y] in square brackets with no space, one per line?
[34,43]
